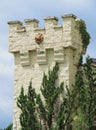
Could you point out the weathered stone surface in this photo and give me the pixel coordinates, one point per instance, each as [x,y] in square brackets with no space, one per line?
[61,43]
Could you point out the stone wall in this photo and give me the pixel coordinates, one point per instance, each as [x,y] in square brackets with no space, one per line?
[59,43]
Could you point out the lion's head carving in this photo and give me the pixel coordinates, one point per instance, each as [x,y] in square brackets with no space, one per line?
[39,38]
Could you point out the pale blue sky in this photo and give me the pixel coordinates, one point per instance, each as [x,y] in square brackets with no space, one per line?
[23,9]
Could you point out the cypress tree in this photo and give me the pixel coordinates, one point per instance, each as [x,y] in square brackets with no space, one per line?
[81,100]
[50,91]
[27,104]
[86,96]
[67,110]
[90,74]
[54,108]
[57,107]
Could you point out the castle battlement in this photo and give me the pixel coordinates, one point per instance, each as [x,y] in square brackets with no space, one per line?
[36,49]
[64,35]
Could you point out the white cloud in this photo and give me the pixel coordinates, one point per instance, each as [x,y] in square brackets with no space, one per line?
[35,6]
[5,55]
[6,105]
[60,4]
[6,63]
[78,3]
[91,51]
[6,70]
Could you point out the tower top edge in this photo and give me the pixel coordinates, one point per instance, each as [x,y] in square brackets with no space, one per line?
[46,18]
[69,16]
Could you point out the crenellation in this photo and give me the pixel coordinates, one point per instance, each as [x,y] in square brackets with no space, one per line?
[31,24]
[51,18]
[69,16]
[50,22]
[14,25]
[52,32]
[31,21]
[36,49]
[68,22]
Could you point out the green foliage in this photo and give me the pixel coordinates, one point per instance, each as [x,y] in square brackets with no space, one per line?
[67,108]
[81,26]
[27,104]
[79,122]
[57,108]
[51,94]
[56,113]
[90,74]
[9,127]
[86,96]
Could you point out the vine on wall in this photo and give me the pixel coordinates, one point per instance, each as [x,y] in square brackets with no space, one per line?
[81,26]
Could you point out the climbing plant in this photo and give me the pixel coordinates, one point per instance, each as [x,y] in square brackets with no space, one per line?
[81,26]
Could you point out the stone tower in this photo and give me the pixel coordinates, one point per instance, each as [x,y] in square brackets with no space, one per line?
[36,49]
